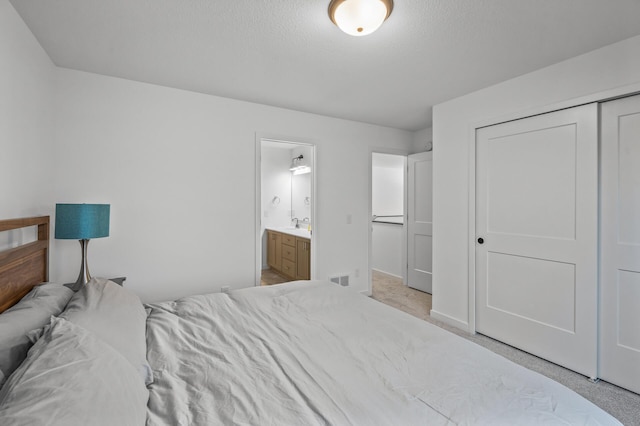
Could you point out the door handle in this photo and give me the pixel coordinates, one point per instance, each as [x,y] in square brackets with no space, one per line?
[480,240]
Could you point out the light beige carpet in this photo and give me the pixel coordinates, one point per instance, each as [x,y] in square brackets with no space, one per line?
[620,403]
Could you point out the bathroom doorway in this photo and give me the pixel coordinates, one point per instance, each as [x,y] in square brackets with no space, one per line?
[285,213]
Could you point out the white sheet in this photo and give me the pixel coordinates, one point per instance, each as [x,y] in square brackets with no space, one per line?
[315,353]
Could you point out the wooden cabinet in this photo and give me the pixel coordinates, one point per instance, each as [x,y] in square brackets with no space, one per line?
[274,250]
[288,268]
[303,258]
[289,240]
[289,254]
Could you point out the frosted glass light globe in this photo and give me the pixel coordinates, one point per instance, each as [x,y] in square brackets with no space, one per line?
[360,17]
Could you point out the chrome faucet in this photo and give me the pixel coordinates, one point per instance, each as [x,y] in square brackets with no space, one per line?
[297,222]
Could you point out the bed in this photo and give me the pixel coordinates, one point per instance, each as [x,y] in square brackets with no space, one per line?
[301,353]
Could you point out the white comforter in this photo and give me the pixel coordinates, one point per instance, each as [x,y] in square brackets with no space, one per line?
[309,353]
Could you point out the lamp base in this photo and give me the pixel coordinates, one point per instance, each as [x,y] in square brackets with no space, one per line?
[84,276]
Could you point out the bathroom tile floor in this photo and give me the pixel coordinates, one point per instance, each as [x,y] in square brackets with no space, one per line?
[270,277]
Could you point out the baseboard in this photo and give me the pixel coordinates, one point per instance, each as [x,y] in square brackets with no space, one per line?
[387,273]
[449,320]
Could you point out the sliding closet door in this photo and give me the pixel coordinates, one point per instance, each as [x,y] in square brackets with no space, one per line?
[536,242]
[620,243]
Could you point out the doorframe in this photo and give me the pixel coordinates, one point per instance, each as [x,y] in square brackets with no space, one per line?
[296,141]
[599,97]
[390,151]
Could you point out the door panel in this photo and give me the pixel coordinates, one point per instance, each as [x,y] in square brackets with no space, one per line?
[536,211]
[628,317]
[419,221]
[538,278]
[540,162]
[423,248]
[620,243]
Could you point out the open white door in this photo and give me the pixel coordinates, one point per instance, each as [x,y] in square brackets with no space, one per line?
[420,221]
[536,242]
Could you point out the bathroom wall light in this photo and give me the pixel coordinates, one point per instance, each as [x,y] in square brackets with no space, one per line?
[302,170]
[359,17]
[295,162]
[298,167]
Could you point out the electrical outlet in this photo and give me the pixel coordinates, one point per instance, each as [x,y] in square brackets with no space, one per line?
[225,289]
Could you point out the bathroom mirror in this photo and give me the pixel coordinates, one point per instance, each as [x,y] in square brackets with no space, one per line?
[301,197]
[286,184]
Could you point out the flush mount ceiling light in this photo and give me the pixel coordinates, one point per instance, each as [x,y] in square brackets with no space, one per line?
[359,17]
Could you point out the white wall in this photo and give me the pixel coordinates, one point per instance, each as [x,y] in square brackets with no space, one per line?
[387,178]
[422,140]
[386,253]
[387,198]
[607,69]
[182,211]
[26,127]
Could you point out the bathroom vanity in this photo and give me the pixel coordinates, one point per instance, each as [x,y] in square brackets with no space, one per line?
[289,252]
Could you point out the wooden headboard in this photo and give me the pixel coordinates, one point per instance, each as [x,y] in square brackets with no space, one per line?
[24,266]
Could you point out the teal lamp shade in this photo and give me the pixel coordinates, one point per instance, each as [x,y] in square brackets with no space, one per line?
[82,221]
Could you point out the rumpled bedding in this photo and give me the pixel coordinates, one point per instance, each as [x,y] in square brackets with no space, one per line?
[313,353]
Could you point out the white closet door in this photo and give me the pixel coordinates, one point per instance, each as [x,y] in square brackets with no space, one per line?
[420,221]
[620,243]
[536,242]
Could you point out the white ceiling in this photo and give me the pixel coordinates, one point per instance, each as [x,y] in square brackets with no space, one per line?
[288,53]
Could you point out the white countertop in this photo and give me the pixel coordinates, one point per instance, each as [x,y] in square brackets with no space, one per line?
[298,232]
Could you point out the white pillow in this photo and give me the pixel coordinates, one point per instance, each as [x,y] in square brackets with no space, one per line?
[33,311]
[116,316]
[69,378]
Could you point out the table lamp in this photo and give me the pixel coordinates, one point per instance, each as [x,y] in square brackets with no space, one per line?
[82,222]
